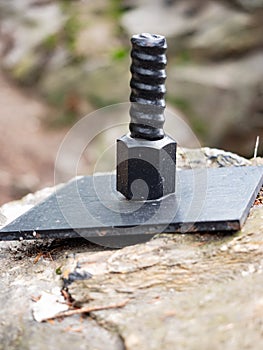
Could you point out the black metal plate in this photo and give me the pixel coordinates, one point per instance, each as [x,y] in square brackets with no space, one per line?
[205,200]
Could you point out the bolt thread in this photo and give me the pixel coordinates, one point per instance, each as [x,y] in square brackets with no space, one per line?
[147,86]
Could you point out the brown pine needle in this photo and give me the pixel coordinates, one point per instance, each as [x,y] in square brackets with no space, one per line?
[87,309]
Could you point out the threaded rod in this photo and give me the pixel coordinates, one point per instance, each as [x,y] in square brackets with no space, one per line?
[147,86]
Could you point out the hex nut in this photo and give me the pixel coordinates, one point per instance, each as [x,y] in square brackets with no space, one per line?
[146,169]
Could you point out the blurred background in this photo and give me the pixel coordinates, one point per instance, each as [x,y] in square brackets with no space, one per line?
[60,60]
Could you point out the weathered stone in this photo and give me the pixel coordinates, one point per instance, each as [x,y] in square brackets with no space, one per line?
[97,39]
[209,27]
[84,58]
[223,101]
[183,291]
[251,5]
[171,282]
[27,26]
[96,84]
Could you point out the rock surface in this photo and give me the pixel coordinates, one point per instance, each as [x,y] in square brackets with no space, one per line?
[223,100]
[183,291]
[215,64]
[75,54]
[213,28]
[27,26]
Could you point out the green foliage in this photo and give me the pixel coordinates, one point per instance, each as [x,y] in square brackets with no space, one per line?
[61,119]
[27,71]
[50,42]
[55,96]
[116,9]
[180,103]
[99,101]
[66,100]
[71,30]
[183,57]
[119,53]
[198,125]
[72,25]
[58,270]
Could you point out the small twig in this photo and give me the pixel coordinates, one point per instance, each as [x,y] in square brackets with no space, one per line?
[39,255]
[71,329]
[85,310]
[35,299]
[256,147]
[44,255]
[66,297]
